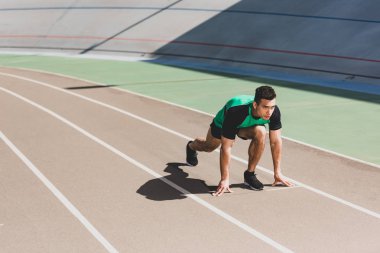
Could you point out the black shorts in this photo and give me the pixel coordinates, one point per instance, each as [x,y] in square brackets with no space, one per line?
[216,132]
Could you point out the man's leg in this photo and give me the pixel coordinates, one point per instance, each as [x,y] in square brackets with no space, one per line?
[205,145]
[256,148]
[200,144]
[257,135]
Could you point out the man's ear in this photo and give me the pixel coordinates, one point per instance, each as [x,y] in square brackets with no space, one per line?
[254,105]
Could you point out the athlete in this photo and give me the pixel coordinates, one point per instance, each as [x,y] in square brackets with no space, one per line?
[243,116]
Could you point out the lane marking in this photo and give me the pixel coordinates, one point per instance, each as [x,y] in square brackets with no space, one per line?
[58,194]
[180,42]
[315,190]
[171,103]
[204,203]
[281,188]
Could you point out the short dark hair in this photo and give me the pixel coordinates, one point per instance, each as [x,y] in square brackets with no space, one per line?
[264,92]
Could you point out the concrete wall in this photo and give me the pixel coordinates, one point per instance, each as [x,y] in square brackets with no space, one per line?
[325,42]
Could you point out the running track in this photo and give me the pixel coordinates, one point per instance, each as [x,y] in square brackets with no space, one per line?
[97,170]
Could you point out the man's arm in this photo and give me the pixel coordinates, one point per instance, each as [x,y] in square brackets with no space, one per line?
[276,149]
[225,158]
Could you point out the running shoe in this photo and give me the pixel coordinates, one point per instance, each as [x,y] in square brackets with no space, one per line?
[252,182]
[191,155]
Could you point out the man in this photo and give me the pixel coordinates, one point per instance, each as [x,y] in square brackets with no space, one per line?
[244,116]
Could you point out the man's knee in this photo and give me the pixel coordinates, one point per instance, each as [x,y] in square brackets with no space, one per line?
[259,134]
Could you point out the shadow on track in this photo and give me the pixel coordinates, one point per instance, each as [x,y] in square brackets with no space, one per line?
[90,87]
[158,190]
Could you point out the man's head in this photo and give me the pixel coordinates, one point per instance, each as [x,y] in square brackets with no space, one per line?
[264,92]
[265,102]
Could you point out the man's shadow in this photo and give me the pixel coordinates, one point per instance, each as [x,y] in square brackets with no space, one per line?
[157,189]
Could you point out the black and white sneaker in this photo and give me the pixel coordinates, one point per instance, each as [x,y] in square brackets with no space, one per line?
[252,182]
[191,156]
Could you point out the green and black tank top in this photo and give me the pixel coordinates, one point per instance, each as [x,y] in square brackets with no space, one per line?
[237,113]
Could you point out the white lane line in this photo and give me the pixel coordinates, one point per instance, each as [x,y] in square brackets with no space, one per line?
[214,209]
[99,103]
[59,195]
[281,188]
[315,190]
[191,109]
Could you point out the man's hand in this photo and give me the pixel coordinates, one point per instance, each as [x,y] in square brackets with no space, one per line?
[224,185]
[279,179]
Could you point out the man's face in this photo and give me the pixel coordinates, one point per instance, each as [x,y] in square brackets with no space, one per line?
[265,108]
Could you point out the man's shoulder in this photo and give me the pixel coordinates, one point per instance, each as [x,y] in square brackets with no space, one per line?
[276,113]
[244,98]
[240,100]
[275,119]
